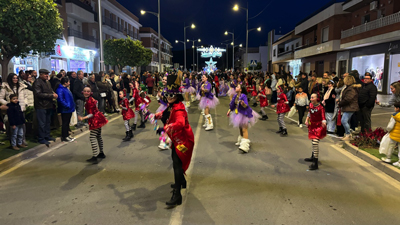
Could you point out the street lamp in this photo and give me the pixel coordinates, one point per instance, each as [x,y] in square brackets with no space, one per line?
[233,49]
[198,40]
[184,43]
[159,33]
[227,45]
[236,8]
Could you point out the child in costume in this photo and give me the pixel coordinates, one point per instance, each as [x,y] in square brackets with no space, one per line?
[187,89]
[394,133]
[254,93]
[282,107]
[208,101]
[127,114]
[179,131]
[242,117]
[139,102]
[301,103]
[161,97]
[316,129]
[96,121]
[262,97]
[193,84]
[233,84]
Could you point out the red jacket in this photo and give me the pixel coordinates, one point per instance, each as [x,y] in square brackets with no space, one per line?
[282,107]
[98,120]
[150,81]
[317,116]
[138,100]
[128,113]
[180,132]
[263,99]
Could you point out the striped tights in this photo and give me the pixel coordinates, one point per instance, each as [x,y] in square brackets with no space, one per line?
[96,141]
[281,121]
[315,147]
[263,111]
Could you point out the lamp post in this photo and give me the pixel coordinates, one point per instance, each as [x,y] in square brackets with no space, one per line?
[159,33]
[197,56]
[233,49]
[234,46]
[236,8]
[227,45]
[198,40]
[102,68]
[184,43]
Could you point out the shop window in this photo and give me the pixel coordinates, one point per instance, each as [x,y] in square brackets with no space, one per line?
[58,64]
[325,34]
[373,64]
[75,65]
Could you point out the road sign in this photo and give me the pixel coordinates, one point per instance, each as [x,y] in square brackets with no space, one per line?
[253,63]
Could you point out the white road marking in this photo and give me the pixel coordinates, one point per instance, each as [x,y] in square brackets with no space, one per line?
[378,114]
[177,213]
[24,162]
[388,179]
[285,115]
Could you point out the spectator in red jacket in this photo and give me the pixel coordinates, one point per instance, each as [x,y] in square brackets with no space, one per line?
[150,83]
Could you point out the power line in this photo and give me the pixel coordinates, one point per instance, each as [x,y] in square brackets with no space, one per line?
[262,10]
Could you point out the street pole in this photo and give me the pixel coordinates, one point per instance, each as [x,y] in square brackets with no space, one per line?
[247,30]
[184,45]
[159,38]
[193,55]
[102,68]
[197,56]
[233,51]
[227,56]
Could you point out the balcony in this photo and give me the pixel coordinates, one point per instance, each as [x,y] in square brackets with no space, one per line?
[114,25]
[132,35]
[79,10]
[325,47]
[382,22]
[79,39]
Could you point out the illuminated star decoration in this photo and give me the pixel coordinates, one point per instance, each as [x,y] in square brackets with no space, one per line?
[211,52]
[211,66]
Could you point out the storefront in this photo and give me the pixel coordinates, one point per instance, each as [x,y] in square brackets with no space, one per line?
[381,61]
[294,67]
[70,58]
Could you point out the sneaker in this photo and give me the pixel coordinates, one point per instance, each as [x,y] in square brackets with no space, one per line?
[72,138]
[92,160]
[44,142]
[397,164]
[50,139]
[15,148]
[386,160]
[67,139]
[22,145]
[105,114]
[301,125]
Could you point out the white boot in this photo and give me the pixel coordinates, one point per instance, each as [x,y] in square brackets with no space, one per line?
[188,104]
[205,122]
[239,140]
[210,124]
[202,112]
[193,97]
[245,145]
[162,145]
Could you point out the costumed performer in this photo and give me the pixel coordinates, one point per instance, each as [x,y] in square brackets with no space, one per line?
[127,114]
[282,107]
[233,84]
[208,101]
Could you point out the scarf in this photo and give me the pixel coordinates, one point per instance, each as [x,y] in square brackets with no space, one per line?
[328,93]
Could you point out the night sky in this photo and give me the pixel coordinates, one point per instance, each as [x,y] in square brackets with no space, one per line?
[213,17]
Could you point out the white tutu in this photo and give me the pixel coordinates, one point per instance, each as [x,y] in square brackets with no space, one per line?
[231,92]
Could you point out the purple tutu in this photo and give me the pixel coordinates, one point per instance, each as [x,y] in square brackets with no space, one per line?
[198,96]
[189,90]
[231,92]
[239,120]
[161,108]
[207,102]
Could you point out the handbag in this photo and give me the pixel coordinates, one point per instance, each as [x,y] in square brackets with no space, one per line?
[384,146]
[292,111]
[103,94]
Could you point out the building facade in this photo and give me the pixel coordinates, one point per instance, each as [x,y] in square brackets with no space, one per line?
[283,54]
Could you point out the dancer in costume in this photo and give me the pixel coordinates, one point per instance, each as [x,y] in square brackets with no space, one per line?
[187,89]
[233,84]
[282,107]
[193,84]
[96,121]
[262,97]
[242,117]
[179,131]
[316,123]
[208,101]
[254,93]
[161,97]
[139,103]
[127,114]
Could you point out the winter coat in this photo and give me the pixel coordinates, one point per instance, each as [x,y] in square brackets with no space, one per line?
[6,91]
[96,118]
[77,90]
[283,104]
[95,90]
[367,95]
[65,100]
[349,102]
[43,94]
[15,114]
[330,102]
[394,127]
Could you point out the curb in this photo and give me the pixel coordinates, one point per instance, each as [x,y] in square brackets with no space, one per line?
[384,167]
[33,152]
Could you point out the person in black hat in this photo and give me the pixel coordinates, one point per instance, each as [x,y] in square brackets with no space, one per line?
[44,96]
[176,126]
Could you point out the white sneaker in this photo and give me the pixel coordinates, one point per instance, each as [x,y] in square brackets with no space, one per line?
[301,125]
[72,138]
[397,164]
[386,160]
[347,137]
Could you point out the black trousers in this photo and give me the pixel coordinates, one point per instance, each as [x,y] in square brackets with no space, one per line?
[150,91]
[364,116]
[302,110]
[66,119]
[178,170]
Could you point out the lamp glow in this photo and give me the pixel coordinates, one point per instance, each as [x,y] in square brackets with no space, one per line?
[193,26]
[176,41]
[240,45]
[142,12]
[236,7]
[199,40]
[231,43]
[187,40]
[259,29]
[226,33]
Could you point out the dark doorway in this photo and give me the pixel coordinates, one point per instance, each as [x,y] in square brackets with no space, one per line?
[319,68]
[342,67]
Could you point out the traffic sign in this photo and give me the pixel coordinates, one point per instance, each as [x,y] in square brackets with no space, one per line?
[253,63]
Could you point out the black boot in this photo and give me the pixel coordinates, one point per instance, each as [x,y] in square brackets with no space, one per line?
[133,126]
[101,155]
[310,159]
[130,134]
[265,117]
[314,165]
[284,132]
[127,136]
[183,185]
[176,198]
[142,125]
[92,160]
[255,104]
[280,130]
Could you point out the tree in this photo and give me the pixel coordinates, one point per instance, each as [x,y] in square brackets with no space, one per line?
[126,52]
[27,26]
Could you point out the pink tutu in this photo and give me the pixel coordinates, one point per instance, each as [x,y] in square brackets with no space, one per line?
[198,96]
[161,108]
[207,102]
[189,90]
[240,120]
[231,92]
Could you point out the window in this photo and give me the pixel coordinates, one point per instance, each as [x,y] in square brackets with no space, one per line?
[365,19]
[381,13]
[297,44]
[287,48]
[308,42]
[325,34]
[274,52]
[292,47]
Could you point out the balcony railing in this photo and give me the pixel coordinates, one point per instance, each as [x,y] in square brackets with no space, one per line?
[111,23]
[382,22]
[81,4]
[78,34]
[284,53]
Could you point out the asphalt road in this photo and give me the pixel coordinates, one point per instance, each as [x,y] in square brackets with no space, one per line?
[269,185]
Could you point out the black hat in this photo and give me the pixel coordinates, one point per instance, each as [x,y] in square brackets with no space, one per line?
[354,73]
[44,71]
[174,83]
